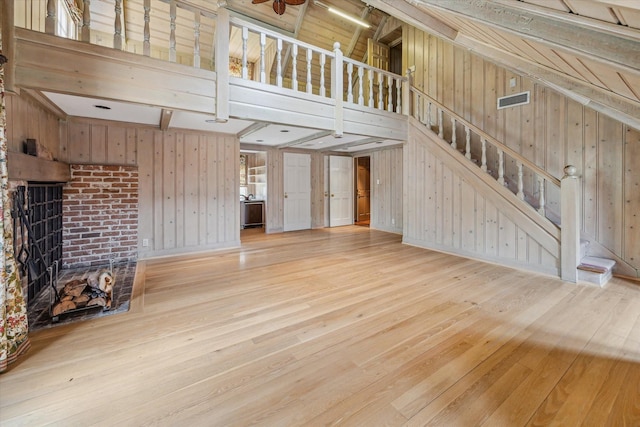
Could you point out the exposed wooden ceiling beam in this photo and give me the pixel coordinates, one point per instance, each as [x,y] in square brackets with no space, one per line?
[300,141]
[576,39]
[251,129]
[165,118]
[356,143]
[599,99]
[415,16]
[366,11]
[628,4]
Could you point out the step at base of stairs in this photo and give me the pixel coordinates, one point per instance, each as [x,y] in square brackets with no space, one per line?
[595,270]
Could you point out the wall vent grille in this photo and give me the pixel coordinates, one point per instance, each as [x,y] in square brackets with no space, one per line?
[514,100]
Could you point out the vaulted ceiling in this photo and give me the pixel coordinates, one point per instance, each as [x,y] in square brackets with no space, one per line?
[588,50]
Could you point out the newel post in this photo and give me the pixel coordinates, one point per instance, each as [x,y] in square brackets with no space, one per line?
[337,89]
[407,102]
[222,65]
[570,223]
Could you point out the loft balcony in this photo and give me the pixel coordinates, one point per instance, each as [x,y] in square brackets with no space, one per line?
[209,71]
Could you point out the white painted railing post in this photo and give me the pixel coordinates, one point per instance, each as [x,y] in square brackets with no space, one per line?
[294,67]
[570,225]
[196,40]
[173,14]
[520,193]
[467,147]
[222,65]
[117,26]
[541,199]
[337,89]
[360,86]
[349,82]
[309,59]
[50,20]
[263,59]
[279,63]
[483,161]
[500,167]
[146,44]
[86,21]
[440,123]
[454,137]
[323,61]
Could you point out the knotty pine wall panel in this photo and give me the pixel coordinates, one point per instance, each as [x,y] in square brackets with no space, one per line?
[27,119]
[188,185]
[444,211]
[386,190]
[552,131]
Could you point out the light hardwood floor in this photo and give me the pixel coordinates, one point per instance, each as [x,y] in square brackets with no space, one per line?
[338,326]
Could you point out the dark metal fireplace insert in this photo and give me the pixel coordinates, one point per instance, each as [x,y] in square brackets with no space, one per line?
[37,230]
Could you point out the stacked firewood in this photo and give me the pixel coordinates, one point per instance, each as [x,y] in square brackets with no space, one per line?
[95,290]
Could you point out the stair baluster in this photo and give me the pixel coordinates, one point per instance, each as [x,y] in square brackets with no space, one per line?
[429,122]
[390,94]
[500,167]
[454,137]
[146,44]
[520,193]
[370,81]
[172,33]
[360,86]
[50,20]
[86,21]
[117,26]
[399,95]
[196,40]
[294,69]
[309,84]
[440,123]
[323,61]
[484,155]
[350,82]
[245,38]
[468,145]
[541,200]
[263,59]
[279,63]
[380,91]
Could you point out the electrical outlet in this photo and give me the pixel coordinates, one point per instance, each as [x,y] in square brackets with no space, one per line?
[145,242]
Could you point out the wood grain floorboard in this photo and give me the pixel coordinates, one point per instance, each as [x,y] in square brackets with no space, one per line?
[342,326]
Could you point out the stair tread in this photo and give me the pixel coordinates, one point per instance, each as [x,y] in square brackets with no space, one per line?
[598,262]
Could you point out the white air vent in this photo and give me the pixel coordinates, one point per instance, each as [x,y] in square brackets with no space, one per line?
[514,100]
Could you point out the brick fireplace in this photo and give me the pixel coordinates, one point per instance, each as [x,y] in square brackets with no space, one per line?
[100,215]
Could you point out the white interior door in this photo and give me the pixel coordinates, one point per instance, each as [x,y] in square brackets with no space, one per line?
[340,191]
[297,191]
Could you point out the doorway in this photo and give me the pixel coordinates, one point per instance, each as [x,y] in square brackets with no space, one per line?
[297,191]
[362,169]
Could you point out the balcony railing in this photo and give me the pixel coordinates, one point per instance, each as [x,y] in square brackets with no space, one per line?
[180,32]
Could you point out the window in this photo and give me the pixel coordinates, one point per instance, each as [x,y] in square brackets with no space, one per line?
[66,21]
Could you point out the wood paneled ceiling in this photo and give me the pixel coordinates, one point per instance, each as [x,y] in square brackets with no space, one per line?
[587,49]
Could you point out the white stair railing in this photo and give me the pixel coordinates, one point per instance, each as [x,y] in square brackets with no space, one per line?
[541,179]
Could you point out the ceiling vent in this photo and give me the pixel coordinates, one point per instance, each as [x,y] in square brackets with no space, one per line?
[514,100]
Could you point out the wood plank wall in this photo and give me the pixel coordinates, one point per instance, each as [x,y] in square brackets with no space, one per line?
[27,119]
[552,130]
[386,190]
[189,181]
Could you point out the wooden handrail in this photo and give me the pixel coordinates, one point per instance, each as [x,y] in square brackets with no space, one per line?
[491,139]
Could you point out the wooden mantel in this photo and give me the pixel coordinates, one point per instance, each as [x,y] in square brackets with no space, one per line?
[22,167]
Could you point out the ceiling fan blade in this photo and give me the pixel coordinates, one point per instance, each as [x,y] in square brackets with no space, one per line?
[294,2]
[279,7]
[259,1]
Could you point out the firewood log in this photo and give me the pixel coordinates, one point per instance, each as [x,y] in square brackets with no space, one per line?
[62,306]
[66,297]
[74,288]
[97,301]
[82,300]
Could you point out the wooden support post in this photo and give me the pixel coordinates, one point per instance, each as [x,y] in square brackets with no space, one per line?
[222,65]
[570,225]
[7,14]
[337,84]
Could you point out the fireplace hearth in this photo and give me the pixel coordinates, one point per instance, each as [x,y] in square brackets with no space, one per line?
[39,312]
